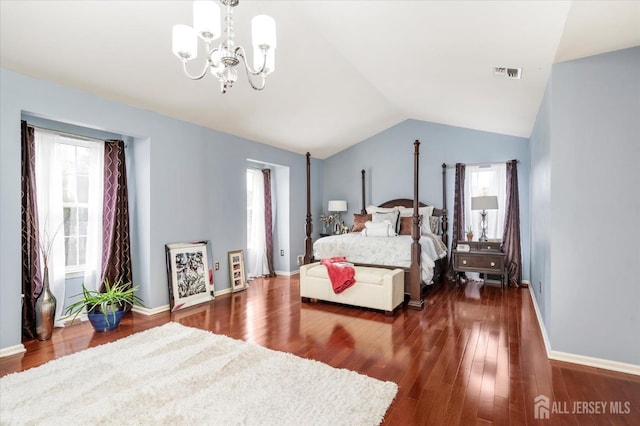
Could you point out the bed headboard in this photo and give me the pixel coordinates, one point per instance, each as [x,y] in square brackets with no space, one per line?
[405,202]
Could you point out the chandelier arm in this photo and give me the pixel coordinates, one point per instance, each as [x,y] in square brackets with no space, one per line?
[250,74]
[208,63]
[195,77]
[239,52]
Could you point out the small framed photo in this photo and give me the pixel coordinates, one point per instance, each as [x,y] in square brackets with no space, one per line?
[236,270]
[190,280]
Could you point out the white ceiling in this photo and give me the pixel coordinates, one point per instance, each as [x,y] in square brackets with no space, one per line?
[345,70]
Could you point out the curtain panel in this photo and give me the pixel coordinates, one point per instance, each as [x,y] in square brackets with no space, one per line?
[458,212]
[511,237]
[268,221]
[31,273]
[116,241]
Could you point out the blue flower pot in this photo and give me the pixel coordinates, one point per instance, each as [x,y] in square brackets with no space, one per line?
[100,323]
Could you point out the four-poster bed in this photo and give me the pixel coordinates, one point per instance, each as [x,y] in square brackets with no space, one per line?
[415,258]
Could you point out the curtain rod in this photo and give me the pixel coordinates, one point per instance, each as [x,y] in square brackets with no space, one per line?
[74,135]
[453,166]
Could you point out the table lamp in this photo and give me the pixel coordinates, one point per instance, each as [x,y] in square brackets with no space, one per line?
[489,202]
[337,206]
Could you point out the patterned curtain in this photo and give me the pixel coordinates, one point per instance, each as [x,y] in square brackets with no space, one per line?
[511,237]
[31,274]
[116,247]
[458,211]
[268,221]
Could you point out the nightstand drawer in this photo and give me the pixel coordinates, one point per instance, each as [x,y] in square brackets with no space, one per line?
[479,261]
[485,261]
[485,246]
[493,246]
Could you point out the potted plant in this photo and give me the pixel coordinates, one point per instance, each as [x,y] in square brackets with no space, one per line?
[105,309]
[469,233]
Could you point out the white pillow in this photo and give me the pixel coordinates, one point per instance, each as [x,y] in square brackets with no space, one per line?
[378,229]
[425,212]
[376,209]
[392,217]
[408,211]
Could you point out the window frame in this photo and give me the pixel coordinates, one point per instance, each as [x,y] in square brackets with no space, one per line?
[77,270]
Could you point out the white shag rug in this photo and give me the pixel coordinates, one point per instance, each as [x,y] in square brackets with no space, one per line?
[185,376]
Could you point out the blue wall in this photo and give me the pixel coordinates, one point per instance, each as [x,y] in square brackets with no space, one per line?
[388,160]
[190,185]
[585,154]
[540,189]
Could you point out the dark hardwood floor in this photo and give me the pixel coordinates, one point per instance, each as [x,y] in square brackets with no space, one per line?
[474,355]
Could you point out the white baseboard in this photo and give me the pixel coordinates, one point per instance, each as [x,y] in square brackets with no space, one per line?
[596,362]
[221,292]
[287,273]
[543,329]
[605,364]
[12,350]
[150,311]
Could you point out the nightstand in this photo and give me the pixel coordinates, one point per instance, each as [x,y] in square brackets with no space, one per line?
[484,257]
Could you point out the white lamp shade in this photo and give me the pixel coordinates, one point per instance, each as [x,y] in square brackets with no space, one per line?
[258,60]
[337,206]
[206,19]
[263,31]
[489,202]
[185,42]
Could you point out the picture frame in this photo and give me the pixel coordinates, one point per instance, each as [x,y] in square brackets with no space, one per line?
[190,280]
[236,270]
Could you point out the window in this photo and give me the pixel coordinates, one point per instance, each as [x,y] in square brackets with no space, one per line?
[256,260]
[482,181]
[74,159]
[69,175]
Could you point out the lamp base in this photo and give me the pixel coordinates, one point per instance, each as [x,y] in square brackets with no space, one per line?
[483,226]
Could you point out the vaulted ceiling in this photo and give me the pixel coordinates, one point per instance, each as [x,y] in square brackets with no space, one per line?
[345,70]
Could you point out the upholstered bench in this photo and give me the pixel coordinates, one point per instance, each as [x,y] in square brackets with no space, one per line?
[375,288]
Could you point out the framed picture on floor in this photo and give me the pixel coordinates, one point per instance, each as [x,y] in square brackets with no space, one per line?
[190,281]
[236,270]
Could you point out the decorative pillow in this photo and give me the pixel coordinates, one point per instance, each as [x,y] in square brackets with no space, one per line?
[434,224]
[408,211]
[359,220]
[376,209]
[392,217]
[378,229]
[405,225]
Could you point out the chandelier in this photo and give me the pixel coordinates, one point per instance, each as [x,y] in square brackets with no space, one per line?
[223,58]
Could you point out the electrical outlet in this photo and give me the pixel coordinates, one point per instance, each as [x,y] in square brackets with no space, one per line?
[217,266]
[281,252]
[300,259]
[540,287]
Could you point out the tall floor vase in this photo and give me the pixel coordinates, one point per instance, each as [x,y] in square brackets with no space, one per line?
[45,309]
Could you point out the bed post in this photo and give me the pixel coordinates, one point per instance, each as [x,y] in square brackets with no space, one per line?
[364,210]
[445,224]
[415,288]
[308,226]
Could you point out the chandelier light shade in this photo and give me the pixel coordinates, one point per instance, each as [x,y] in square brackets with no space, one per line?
[221,60]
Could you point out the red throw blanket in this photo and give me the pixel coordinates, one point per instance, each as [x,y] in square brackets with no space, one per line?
[341,273]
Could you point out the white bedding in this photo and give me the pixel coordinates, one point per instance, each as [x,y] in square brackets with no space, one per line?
[387,251]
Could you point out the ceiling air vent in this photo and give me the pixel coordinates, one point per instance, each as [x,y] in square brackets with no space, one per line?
[513,73]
